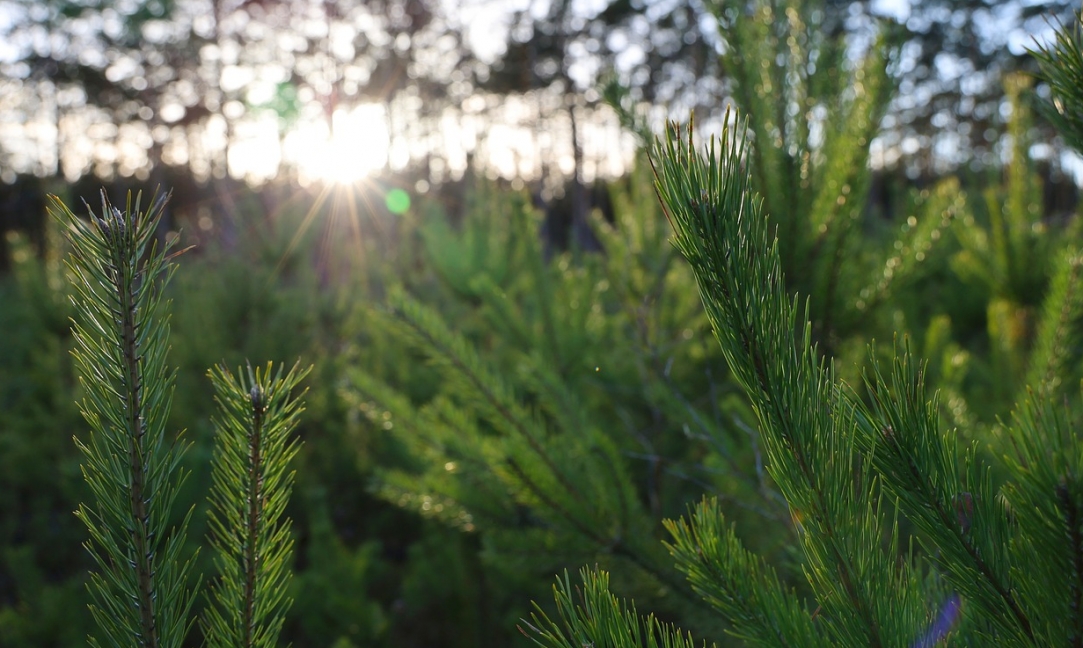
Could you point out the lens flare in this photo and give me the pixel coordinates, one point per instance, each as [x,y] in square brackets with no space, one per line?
[398,201]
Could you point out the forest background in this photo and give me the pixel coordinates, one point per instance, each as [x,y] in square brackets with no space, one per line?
[506,200]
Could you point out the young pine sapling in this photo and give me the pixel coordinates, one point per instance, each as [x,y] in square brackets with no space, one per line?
[142,591]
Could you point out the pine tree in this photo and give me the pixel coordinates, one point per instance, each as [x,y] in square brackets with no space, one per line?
[142,592]
[520,439]
[908,538]
[813,110]
[552,425]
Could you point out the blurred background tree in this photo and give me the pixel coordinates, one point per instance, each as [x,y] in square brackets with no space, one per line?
[121,87]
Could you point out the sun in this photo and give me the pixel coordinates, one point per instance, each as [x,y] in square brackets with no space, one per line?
[353,148]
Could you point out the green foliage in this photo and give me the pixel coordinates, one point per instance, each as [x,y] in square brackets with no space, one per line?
[872,563]
[141,594]
[259,299]
[1054,362]
[41,564]
[556,421]
[486,412]
[1005,246]
[251,489]
[330,608]
[1012,257]
[602,621]
[1061,64]
[737,582]
[813,112]
[519,456]
[864,478]
[808,428]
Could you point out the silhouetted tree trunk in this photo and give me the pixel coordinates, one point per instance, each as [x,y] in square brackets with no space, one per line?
[581,236]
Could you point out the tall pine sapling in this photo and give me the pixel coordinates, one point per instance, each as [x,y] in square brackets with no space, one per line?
[142,593]
[543,487]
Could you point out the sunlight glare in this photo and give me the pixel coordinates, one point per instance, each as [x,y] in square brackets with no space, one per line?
[355,149]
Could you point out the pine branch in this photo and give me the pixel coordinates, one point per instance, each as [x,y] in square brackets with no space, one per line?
[569,475]
[494,396]
[1061,65]
[915,241]
[1016,555]
[599,620]
[250,489]
[721,230]
[466,494]
[1073,523]
[140,591]
[739,584]
[1046,497]
[966,529]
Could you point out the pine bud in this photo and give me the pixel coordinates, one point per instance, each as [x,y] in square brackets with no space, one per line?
[256,395]
[119,222]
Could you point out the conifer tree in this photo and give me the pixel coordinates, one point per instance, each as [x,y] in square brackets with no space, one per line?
[513,441]
[526,438]
[994,556]
[813,111]
[1012,255]
[143,592]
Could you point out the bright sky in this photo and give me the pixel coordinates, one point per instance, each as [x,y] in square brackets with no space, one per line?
[357,142]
